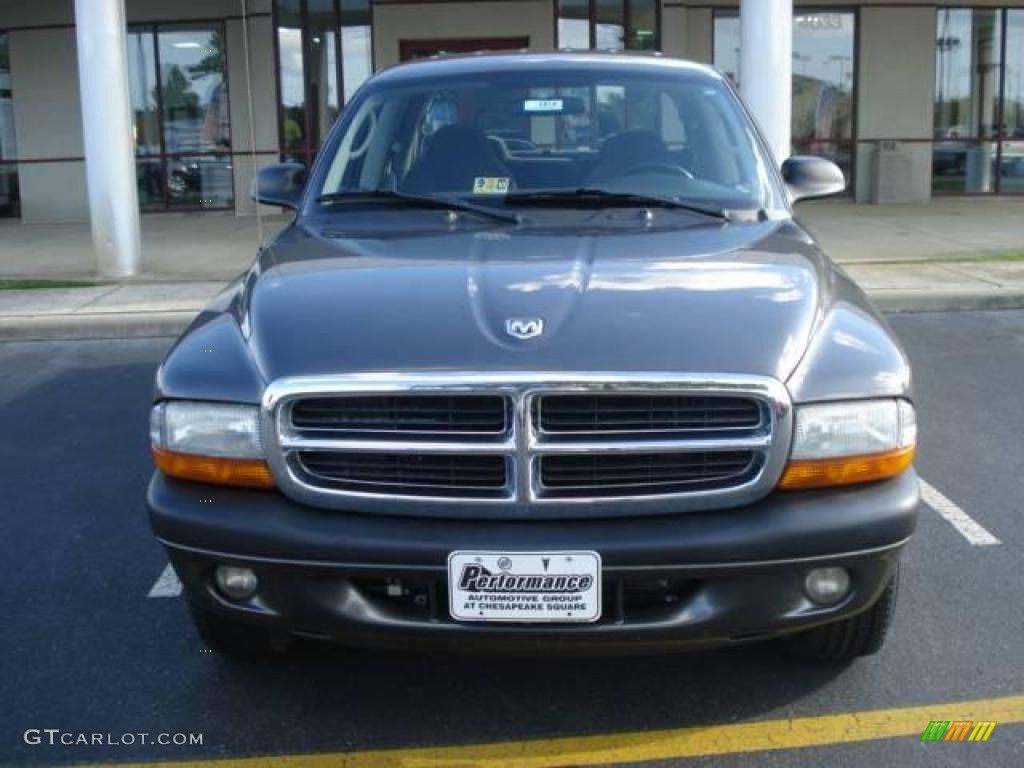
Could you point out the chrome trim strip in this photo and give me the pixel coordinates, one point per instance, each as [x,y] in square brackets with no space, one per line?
[756,443]
[374,445]
[523,443]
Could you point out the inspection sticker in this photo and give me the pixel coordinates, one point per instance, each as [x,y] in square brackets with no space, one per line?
[530,587]
[490,185]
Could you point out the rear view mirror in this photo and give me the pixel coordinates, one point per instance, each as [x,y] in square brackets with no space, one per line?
[807,177]
[280,185]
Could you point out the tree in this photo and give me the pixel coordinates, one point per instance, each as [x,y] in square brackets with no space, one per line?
[213,62]
[178,96]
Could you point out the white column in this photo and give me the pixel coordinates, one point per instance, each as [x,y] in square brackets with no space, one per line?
[766,68]
[107,130]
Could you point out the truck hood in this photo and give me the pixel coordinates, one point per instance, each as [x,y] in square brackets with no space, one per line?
[703,298]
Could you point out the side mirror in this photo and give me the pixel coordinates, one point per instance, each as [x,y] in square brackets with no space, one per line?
[807,176]
[279,185]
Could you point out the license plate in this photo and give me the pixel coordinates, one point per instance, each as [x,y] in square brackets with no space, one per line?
[532,587]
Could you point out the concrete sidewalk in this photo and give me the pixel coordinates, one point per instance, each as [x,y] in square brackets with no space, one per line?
[950,254]
[947,227]
[164,308]
[199,247]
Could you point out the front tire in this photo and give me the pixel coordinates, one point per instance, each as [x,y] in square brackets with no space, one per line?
[847,639]
[234,638]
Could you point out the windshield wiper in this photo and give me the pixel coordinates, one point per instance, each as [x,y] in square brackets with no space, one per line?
[595,196]
[362,195]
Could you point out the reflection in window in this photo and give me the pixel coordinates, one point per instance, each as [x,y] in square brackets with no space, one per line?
[979,99]
[966,100]
[574,24]
[1011,165]
[823,67]
[193,89]
[321,45]
[181,120]
[608,24]
[643,25]
[291,79]
[9,199]
[356,44]
[322,70]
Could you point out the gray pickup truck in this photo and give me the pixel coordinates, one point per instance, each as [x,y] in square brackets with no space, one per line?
[542,363]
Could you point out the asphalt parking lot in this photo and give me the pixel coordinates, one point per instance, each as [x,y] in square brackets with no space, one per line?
[94,641]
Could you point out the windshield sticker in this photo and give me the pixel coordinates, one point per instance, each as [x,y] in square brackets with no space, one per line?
[543,105]
[490,185]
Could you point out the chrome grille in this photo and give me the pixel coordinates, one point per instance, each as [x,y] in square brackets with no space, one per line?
[429,474]
[646,414]
[515,445]
[405,414]
[642,473]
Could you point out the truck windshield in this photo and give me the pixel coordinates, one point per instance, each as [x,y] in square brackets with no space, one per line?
[567,137]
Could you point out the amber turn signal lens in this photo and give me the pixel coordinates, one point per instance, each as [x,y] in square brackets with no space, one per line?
[822,473]
[249,473]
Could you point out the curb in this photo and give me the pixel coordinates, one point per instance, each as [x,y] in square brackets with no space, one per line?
[113,325]
[946,301]
[110,325]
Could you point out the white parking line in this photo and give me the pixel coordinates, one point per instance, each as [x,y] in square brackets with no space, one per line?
[168,585]
[967,526]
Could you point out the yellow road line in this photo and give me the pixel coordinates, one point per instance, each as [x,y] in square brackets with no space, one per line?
[694,741]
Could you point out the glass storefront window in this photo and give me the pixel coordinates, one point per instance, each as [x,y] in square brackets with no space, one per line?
[180,116]
[967,75]
[322,70]
[144,92]
[291,80]
[9,198]
[1011,162]
[193,90]
[356,45]
[574,24]
[643,25]
[324,53]
[823,74]
[608,24]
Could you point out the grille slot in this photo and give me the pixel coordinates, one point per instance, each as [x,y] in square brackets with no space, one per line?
[410,473]
[643,414]
[643,474]
[407,414]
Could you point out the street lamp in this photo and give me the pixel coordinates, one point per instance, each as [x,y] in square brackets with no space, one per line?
[841,59]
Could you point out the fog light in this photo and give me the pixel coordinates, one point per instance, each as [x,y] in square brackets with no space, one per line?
[827,586]
[236,583]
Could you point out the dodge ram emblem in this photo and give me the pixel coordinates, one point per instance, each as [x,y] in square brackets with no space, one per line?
[524,327]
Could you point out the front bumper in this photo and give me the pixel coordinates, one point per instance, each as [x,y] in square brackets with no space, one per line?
[696,579]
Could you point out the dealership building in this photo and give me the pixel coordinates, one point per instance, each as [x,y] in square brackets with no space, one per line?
[912,99]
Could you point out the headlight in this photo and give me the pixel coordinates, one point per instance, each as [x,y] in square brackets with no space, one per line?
[850,442]
[209,442]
